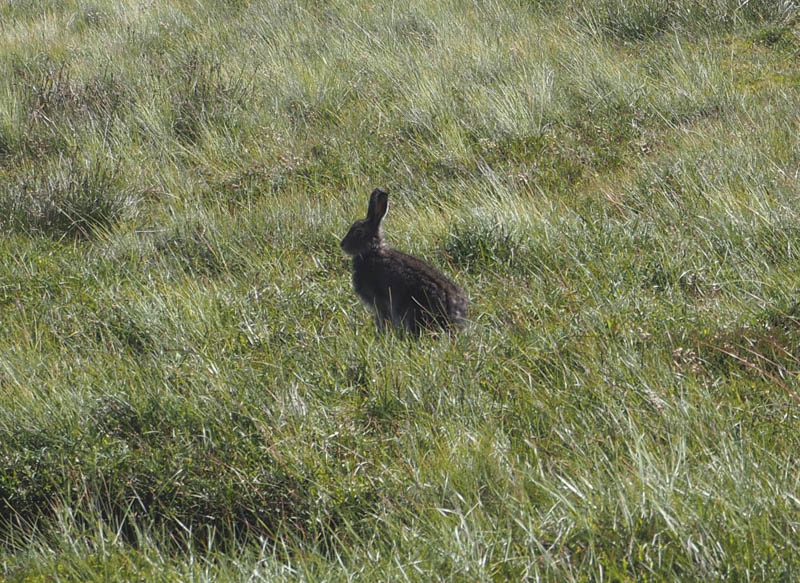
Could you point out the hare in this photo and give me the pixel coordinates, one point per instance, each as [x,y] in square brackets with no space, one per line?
[403,290]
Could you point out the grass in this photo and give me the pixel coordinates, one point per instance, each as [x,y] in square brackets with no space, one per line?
[189,388]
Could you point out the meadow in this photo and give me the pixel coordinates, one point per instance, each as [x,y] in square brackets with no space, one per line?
[191,391]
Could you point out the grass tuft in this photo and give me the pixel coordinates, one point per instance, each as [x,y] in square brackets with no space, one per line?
[74,199]
[626,20]
[202,97]
[482,244]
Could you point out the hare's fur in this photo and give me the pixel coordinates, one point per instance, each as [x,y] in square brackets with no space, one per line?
[403,290]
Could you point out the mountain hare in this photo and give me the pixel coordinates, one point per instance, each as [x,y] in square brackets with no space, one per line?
[403,290]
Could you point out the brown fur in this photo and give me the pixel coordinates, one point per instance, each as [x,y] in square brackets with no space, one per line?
[403,290]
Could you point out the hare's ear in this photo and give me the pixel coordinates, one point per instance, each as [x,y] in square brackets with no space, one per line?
[378,205]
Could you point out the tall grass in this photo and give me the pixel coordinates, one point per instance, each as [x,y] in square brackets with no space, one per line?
[189,388]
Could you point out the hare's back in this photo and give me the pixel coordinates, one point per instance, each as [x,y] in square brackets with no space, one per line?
[430,287]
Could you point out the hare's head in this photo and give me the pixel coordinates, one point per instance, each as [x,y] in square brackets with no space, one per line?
[367,234]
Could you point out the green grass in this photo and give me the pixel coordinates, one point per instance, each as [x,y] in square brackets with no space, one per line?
[190,390]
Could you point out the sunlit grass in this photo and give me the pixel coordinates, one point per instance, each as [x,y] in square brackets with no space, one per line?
[190,389]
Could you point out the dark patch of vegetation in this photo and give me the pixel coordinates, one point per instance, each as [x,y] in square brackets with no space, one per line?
[137,470]
[205,477]
[481,243]
[781,36]
[122,332]
[57,106]
[204,96]
[74,199]
[197,248]
[628,21]
[414,29]
[32,9]
[768,349]
[53,93]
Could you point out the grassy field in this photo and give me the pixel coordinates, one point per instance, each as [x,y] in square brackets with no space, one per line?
[190,390]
